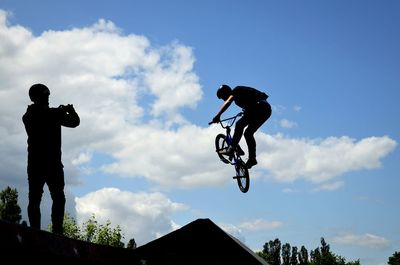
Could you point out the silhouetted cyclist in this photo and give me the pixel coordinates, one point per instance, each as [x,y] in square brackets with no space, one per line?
[43,127]
[256,111]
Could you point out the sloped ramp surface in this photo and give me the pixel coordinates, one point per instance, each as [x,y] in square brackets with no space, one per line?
[25,245]
[201,242]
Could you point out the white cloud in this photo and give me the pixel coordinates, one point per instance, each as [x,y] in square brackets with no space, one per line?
[254,225]
[297,108]
[142,216]
[320,160]
[260,225]
[330,186]
[233,230]
[365,240]
[82,159]
[173,81]
[284,123]
[181,158]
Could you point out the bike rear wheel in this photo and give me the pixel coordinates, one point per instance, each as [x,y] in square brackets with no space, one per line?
[242,176]
[220,144]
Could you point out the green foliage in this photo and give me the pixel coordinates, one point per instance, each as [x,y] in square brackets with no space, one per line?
[89,229]
[109,236]
[272,251]
[303,256]
[9,208]
[323,255]
[394,259]
[131,244]
[286,254]
[293,258]
[92,231]
[276,254]
[70,227]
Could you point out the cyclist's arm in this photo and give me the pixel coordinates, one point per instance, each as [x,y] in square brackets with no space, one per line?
[225,106]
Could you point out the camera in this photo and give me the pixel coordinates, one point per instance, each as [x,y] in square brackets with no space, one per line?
[67,108]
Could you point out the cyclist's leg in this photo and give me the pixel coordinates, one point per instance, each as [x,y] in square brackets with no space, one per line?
[239,128]
[237,135]
[259,116]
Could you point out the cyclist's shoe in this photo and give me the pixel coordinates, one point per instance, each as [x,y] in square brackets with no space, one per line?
[226,151]
[251,162]
[239,151]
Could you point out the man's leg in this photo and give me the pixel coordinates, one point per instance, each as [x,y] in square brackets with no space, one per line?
[251,145]
[36,184]
[239,128]
[259,116]
[56,187]
[237,135]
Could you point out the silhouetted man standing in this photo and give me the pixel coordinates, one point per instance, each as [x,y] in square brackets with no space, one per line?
[43,127]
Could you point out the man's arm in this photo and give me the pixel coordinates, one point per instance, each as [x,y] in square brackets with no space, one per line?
[224,107]
[70,117]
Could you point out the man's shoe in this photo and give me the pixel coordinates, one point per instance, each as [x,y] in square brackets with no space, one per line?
[251,162]
[226,151]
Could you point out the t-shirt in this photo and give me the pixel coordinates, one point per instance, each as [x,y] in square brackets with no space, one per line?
[247,97]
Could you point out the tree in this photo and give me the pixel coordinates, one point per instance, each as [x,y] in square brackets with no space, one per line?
[92,231]
[102,234]
[272,252]
[303,256]
[131,244]
[286,254]
[293,258]
[326,256]
[357,262]
[9,208]
[70,227]
[319,256]
[315,257]
[105,235]
[394,259]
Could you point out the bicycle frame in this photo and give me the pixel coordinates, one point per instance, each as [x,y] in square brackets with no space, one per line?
[242,174]
[228,138]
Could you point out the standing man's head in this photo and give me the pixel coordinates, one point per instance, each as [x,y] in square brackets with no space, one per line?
[39,94]
[224,92]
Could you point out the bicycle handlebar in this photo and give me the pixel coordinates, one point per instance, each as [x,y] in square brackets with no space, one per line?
[233,118]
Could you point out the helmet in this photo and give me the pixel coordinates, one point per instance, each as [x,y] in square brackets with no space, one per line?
[38,92]
[224,91]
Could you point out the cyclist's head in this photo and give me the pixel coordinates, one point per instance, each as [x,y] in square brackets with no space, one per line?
[224,91]
[39,93]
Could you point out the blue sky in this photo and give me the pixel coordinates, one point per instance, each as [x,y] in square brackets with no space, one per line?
[143,76]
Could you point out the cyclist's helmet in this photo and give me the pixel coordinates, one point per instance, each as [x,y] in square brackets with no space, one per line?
[224,91]
[38,92]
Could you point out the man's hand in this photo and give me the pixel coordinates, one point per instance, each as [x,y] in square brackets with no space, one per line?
[68,108]
[216,119]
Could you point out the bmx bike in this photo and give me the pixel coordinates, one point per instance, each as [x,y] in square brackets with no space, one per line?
[222,142]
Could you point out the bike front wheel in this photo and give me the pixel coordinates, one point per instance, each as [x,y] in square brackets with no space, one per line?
[242,176]
[220,144]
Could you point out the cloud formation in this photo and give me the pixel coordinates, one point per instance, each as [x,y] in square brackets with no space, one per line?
[321,160]
[364,240]
[142,216]
[130,96]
